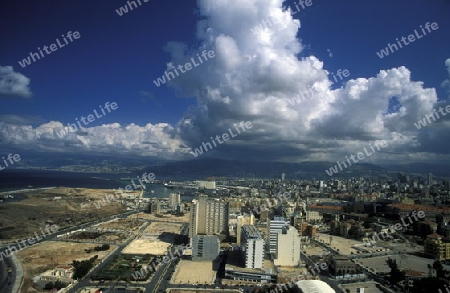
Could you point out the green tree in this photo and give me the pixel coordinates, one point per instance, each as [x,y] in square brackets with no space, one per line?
[427,285]
[396,275]
[48,286]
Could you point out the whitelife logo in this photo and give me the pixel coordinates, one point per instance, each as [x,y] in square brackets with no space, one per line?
[411,38]
[360,156]
[423,122]
[309,93]
[49,230]
[268,23]
[397,227]
[187,66]
[153,267]
[90,118]
[76,35]
[124,9]
[225,137]
[147,178]
[10,158]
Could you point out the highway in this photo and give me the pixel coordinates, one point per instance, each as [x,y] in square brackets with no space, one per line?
[5,287]
[86,280]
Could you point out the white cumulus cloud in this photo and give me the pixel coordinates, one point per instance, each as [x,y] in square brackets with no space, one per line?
[13,84]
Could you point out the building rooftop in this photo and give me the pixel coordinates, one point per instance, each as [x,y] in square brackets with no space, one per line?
[420,207]
[251,232]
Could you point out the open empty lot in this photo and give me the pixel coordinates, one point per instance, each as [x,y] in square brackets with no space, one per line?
[165,218]
[127,224]
[190,272]
[160,227]
[47,255]
[144,246]
[369,287]
[60,206]
[411,262]
[346,246]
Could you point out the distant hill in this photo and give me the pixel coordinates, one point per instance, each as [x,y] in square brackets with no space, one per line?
[207,167]
[203,168]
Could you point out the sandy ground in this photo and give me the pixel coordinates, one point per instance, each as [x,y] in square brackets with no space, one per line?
[95,289]
[159,227]
[369,287]
[143,246]
[412,262]
[345,245]
[128,224]
[190,272]
[166,218]
[290,272]
[47,255]
[60,206]
[148,241]
[314,250]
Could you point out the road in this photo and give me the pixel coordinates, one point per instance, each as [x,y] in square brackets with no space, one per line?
[86,280]
[159,278]
[5,287]
[8,278]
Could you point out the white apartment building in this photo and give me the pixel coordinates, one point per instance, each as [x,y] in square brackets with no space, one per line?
[208,217]
[288,248]
[174,200]
[275,227]
[252,246]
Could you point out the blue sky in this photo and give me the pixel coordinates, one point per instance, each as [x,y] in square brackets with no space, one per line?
[118,57]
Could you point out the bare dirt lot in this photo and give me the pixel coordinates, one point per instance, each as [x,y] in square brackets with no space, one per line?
[144,246]
[61,206]
[49,254]
[165,218]
[159,228]
[193,272]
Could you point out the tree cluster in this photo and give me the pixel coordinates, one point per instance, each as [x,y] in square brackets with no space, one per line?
[83,267]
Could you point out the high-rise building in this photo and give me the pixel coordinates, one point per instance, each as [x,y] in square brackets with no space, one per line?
[174,200]
[283,176]
[288,247]
[275,227]
[155,207]
[252,246]
[208,217]
[430,179]
[205,247]
[241,221]
[436,247]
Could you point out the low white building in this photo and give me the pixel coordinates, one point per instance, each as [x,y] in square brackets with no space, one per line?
[59,273]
